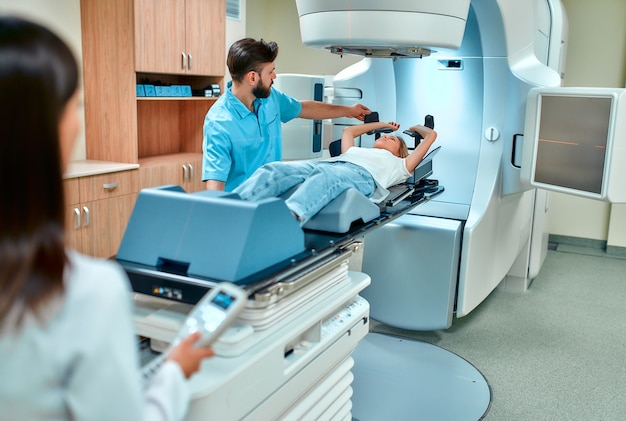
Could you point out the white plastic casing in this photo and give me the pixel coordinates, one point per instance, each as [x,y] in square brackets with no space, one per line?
[375,23]
[302,138]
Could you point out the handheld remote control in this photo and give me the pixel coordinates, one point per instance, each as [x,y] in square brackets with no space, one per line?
[217,310]
[213,313]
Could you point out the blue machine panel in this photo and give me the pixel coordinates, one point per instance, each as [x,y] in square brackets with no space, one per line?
[413,263]
[209,234]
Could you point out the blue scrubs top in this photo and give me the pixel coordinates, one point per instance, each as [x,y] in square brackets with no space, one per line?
[237,141]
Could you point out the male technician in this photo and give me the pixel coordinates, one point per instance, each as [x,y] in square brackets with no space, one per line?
[242,130]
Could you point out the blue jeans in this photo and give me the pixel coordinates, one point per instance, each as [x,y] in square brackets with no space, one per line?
[320,183]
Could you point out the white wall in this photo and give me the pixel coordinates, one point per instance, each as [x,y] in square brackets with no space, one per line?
[596,57]
[277,20]
[62,17]
[235,30]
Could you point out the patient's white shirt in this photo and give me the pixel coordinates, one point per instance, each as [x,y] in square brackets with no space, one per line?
[386,168]
[83,363]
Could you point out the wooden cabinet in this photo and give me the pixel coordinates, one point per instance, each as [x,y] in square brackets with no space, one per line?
[98,208]
[184,170]
[126,42]
[73,214]
[170,146]
[180,36]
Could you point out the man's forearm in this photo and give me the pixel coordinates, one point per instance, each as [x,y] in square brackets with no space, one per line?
[317,110]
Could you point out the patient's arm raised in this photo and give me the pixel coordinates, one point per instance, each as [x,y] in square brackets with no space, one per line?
[351,132]
[418,153]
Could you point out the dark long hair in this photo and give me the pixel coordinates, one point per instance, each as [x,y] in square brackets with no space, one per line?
[38,75]
[249,54]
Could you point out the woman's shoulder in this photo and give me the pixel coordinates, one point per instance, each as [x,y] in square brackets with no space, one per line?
[93,265]
[88,276]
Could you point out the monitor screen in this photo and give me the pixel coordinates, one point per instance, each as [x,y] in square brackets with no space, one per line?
[575,142]
[572,141]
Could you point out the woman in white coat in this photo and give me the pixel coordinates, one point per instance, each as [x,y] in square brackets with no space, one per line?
[67,344]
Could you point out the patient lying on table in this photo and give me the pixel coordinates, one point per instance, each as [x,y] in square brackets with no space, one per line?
[369,170]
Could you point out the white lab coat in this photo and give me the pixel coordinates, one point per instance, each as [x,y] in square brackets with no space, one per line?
[82,364]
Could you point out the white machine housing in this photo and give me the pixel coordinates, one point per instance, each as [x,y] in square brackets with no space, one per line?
[488,227]
[291,360]
[423,23]
[302,138]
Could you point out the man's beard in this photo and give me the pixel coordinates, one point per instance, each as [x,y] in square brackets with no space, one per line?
[261,91]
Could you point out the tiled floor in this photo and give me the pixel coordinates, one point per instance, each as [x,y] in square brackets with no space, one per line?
[554,352]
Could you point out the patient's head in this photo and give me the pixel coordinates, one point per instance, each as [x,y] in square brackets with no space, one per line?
[393,144]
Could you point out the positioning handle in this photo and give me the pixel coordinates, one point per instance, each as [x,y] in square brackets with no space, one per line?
[429,121]
[373,118]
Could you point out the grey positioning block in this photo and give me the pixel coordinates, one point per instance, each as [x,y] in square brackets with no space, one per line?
[339,214]
[210,234]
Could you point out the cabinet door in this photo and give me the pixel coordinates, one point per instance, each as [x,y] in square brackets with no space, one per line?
[104,224]
[184,170]
[95,224]
[205,36]
[160,36]
[162,174]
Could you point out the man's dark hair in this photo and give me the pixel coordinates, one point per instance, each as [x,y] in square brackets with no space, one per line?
[249,54]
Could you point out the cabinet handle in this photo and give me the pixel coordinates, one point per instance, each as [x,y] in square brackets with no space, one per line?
[191,177]
[184,173]
[87,216]
[109,186]
[184,61]
[77,225]
[190,61]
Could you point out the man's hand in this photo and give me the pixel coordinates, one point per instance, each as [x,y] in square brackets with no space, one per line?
[358,111]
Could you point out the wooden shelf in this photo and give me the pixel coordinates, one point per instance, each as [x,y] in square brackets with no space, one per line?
[151,161]
[126,42]
[177,98]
